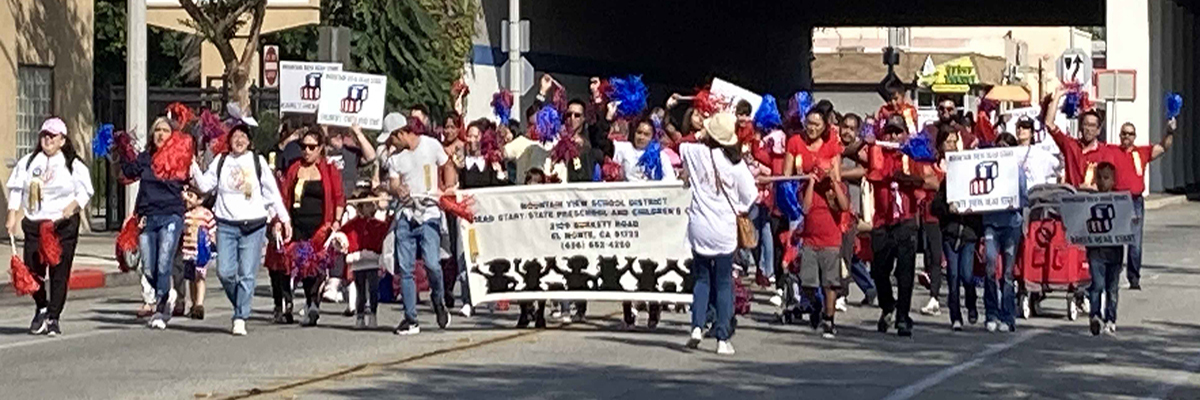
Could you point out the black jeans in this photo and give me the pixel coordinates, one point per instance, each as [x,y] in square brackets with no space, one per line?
[312,291]
[367,285]
[281,290]
[932,235]
[779,225]
[894,247]
[60,275]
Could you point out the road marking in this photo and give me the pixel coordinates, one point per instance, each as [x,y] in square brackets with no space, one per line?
[916,388]
[40,339]
[1180,377]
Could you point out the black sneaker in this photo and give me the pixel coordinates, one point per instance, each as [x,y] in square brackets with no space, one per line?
[197,312]
[523,320]
[904,328]
[829,330]
[38,325]
[972,317]
[654,318]
[885,321]
[1135,285]
[407,328]
[630,318]
[539,320]
[1095,326]
[443,316]
[814,319]
[52,328]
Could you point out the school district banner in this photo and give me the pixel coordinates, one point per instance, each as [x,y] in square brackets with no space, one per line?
[979,181]
[611,241]
[1100,219]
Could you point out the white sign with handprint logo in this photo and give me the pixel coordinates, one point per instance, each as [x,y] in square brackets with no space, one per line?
[300,85]
[348,98]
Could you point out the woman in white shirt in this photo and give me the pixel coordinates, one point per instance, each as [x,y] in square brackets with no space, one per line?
[722,187]
[50,186]
[246,190]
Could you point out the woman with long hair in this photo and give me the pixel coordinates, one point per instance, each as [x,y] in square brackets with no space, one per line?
[482,165]
[721,189]
[960,234]
[160,207]
[312,193]
[50,186]
[246,189]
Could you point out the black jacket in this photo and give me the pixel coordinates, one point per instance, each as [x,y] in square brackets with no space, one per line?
[155,196]
[957,229]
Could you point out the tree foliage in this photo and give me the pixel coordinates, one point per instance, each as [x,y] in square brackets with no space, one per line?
[219,21]
[173,58]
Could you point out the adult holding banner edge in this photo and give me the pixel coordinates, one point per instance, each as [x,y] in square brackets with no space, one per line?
[721,187]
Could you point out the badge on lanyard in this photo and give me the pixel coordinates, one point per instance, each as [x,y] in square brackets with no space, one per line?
[428,177]
[799,164]
[1137,162]
[1091,173]
[578,164]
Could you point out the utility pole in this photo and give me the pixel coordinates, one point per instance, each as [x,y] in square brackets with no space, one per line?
[135,82]
[515,64]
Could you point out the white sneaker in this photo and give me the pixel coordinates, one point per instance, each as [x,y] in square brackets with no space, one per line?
[724,347]
[841,304]
[992,326]
[1110,328]
[1007,328]
[466,310]
[694,341]
[777,301]
[157,322]
[333,290]
[956,326]
[932,308]
[239,327]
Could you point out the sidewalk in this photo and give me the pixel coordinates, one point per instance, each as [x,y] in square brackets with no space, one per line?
[95,264]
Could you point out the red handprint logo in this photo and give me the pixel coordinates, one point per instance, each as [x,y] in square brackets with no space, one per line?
[985,177]
[312,87]
[1102,218]
[355,97]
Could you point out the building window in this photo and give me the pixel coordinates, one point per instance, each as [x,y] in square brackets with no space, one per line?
[35,103]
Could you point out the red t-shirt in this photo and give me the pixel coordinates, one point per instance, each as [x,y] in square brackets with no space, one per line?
[892,205]
[925,196]
[821,227]
[1079,161]
[1131,168]
[806,160]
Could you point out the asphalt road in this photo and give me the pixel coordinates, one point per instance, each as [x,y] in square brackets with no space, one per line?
[106,354]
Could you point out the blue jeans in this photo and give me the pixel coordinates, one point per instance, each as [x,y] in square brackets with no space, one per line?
[238,257]
[960,269]
[713,275]
[761,215]
[1105,266]
[1134,273]
[427,236]
[999,296]
[158,242]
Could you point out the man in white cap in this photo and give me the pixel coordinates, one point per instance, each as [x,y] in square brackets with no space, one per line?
[391,123]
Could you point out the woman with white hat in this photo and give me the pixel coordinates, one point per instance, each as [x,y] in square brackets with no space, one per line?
[50,186]
[722,188]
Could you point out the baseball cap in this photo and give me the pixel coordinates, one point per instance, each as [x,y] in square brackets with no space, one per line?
[1025,122]
[895,124]
[54,125]
[391,123]
[722,128]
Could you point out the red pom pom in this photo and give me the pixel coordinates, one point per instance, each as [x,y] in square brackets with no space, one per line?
[220,145]
[22,280]
[321,236]
[565,150]
[125,149]
[610,171]
[127,239]
[174,158]
[181,114]
[707,103]
[51,249]
[458,209]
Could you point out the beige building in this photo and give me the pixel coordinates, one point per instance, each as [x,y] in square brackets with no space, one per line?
[46,70]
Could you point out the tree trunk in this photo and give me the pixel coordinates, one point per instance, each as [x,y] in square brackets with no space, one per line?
[239,86]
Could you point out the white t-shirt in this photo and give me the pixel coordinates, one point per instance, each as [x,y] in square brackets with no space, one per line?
[58,186]
[1040,166]
[712,223]
[419,169]
[240,196]
[627,156]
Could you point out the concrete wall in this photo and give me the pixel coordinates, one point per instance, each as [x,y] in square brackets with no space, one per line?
[51,33]
[1173,60]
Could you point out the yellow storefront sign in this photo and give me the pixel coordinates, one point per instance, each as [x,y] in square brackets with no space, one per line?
[954,76]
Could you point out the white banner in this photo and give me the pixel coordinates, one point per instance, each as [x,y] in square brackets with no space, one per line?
[1099,219]
[611,241]
[300,85]
[348,97]
[734,93]
[985,180]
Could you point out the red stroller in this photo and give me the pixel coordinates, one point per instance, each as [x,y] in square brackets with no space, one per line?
[1048,262]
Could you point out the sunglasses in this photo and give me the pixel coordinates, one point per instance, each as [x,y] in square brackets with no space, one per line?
[310,147]
[946,108]
[45,135]
[1126,133]
[574,115]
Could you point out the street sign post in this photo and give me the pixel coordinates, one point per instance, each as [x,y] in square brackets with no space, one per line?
[527,75]
[1075,67]
[270,67]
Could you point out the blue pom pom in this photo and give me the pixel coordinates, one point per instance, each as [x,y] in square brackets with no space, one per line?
[1070,105]
[920,147]
[787,199]
[631,94]
[657,122]
[502,106]
[203,253]
[103,141]
[651,161]
[867,131]
[1174,105]
[767,117]
[800,104]
[548,123]
[597,174]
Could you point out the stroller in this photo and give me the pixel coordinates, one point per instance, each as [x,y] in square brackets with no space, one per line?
[1048,262]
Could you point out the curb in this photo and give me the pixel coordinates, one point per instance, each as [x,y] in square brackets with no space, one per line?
[1165,201]
[86,277]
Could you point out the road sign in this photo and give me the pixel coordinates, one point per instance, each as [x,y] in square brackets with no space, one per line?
[270,59]
[1075,66]
[527,75]
[1116,84]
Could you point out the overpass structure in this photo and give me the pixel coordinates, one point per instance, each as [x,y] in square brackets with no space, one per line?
[766,47]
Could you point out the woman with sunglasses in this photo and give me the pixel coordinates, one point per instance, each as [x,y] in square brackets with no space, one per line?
[49,186]
[246,189]
[161,207]
[312,193]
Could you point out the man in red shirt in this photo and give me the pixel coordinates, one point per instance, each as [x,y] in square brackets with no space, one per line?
[817,154]
[1131,171]
[1080,156]
[895,178]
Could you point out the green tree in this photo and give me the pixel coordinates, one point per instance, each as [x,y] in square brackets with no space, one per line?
[173,58]
[220,22]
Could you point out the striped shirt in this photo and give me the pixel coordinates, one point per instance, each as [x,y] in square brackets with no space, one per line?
[196,219]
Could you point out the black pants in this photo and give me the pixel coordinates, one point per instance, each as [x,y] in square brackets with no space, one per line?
[366,283]
[312,291]
[932,233]
[60,275]
[281,290]
[894,248]
[779,225]
[528,309]
[655,309]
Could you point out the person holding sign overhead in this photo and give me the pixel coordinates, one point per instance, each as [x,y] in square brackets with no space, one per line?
[1131,171]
